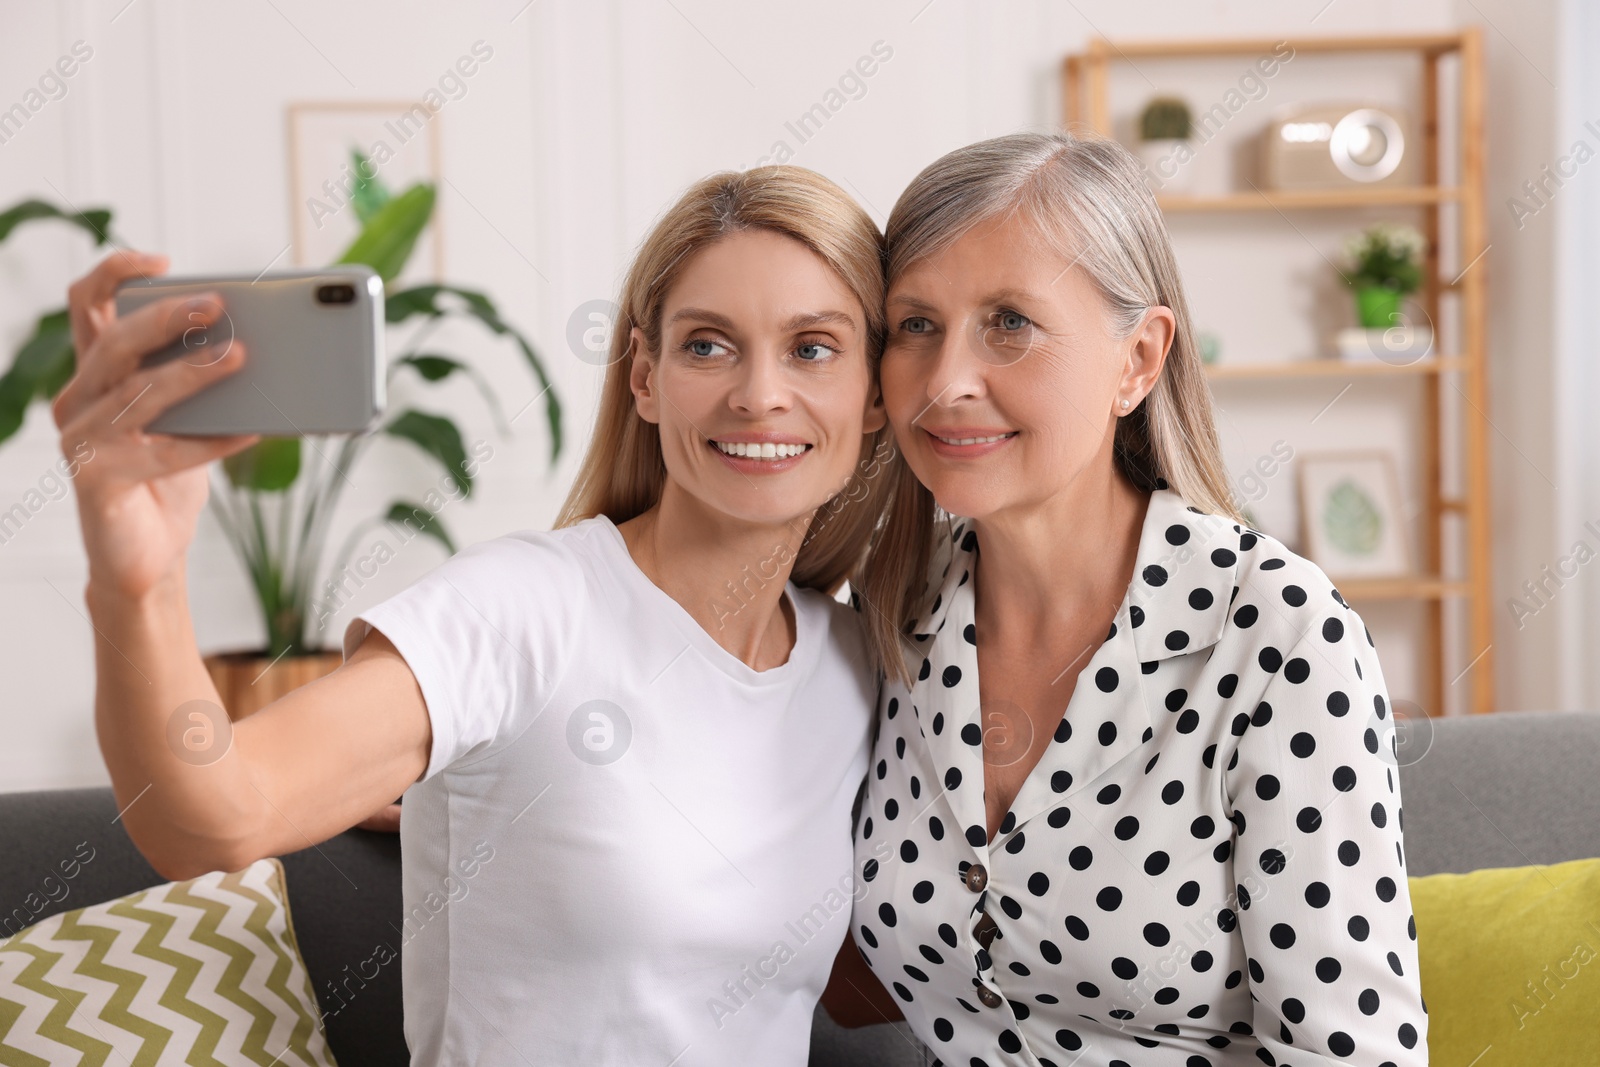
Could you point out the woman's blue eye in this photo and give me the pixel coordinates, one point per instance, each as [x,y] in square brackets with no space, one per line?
[817,351]
[1011,320]
[701,347]
[916,324]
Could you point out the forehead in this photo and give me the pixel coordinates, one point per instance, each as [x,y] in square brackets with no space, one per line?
[1009,254]
[757,277]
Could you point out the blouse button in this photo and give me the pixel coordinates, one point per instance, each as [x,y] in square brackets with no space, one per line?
[977,878]
[990,998]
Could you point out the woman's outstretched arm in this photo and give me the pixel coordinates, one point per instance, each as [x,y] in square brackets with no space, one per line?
[192,797]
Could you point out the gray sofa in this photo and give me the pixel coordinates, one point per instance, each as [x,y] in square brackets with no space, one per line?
[1493,791]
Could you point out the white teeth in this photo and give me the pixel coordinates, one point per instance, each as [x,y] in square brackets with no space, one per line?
[974,440]
[760,450]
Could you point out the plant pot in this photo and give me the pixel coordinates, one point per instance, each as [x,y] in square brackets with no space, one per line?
[249,681]
[1378,306]
[1170,163]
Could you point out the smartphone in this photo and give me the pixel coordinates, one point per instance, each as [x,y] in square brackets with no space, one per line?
[315,351]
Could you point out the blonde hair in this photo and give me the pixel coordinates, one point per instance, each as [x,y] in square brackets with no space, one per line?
[1088,200]
[623,473]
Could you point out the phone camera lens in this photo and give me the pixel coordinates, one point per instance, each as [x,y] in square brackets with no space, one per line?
[335,294]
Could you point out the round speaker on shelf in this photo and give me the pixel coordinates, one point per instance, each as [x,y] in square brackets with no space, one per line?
[1323,146]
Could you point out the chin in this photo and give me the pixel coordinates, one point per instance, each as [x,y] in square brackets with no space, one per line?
[969,496]
[778,509]
[967,505]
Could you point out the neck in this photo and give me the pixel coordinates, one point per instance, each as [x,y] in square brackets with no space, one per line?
[728,574]
[1048,566]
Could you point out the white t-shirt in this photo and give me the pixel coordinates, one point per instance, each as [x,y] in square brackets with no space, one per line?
[628,846]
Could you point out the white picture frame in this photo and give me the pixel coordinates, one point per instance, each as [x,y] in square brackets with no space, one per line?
[321,134]
[1352,515]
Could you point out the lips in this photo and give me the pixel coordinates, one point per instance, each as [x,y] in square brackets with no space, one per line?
[970,436]
[962,443]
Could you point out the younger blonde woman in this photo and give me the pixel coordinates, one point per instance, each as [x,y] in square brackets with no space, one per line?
[629,745]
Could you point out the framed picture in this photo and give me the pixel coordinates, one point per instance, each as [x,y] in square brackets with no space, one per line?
[401,141]
[1352,515]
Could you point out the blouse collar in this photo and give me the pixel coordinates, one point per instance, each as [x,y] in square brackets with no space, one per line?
[1176,604]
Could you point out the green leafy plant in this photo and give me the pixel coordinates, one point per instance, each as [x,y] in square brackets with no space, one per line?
[1386,255]
[1165,118]
[275,508]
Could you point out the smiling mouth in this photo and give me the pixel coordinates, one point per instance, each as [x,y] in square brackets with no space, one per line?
[759,449]
[973,440]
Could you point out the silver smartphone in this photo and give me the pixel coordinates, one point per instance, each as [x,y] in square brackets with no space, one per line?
[315,351]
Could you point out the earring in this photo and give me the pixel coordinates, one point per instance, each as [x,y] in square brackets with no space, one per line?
[1124,403]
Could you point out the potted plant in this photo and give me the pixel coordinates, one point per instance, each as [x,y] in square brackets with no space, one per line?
[1383,267]
[275,500]
[1165,130]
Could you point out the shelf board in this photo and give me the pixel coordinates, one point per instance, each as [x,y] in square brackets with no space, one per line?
[1415,587]
[1428,43]
[1305,199]
[1329,368]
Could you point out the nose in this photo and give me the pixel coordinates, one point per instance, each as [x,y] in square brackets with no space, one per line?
[761,388]
[955,373]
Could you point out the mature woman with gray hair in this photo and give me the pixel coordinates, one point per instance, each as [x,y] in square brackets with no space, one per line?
[1132,798]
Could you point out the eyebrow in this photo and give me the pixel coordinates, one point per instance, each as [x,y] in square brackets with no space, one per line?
[911,303]
[808,319]
[1002,296]
[712,318]
[802,321]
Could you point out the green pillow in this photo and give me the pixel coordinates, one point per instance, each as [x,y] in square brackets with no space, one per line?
[1510,962]
[204,971]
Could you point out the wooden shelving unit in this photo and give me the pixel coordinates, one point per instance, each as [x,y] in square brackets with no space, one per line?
[1086,102]
[1330,368]
[1295,200]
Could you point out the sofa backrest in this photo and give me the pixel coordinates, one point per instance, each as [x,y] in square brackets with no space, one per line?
[1503,790]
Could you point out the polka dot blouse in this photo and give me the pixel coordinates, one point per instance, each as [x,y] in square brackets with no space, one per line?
[1206,865]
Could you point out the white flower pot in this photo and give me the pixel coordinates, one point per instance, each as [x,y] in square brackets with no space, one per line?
[1169,163]
[1398,346]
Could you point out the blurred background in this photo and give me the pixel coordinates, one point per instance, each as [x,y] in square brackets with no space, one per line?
[1383,212]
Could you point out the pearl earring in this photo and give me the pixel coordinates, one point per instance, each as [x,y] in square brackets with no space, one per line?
[1124,403]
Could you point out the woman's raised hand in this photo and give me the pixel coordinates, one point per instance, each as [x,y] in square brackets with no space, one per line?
[139,493]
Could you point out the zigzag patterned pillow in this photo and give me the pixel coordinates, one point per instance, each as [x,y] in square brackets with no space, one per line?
[203,972]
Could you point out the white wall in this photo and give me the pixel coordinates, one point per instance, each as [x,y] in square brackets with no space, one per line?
[1531,477]
[1573,220]
[587,121]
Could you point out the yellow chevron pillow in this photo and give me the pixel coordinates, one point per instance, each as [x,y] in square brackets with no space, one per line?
[203,971]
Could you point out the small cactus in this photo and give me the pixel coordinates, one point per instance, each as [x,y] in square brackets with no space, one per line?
[1165,118]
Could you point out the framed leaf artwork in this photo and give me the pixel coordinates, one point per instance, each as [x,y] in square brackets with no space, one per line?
[336,149]
[1352,515]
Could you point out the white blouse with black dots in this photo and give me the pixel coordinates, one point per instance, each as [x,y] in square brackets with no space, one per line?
[1204,868]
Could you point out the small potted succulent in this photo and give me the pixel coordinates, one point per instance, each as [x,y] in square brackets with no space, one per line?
[1165,132]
